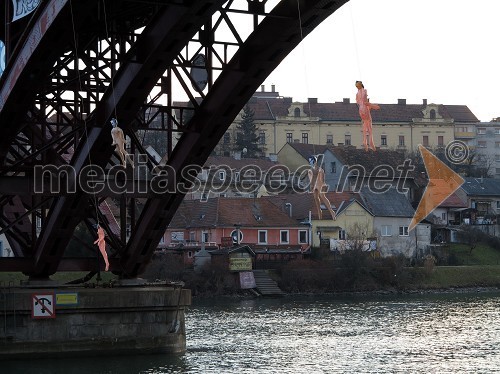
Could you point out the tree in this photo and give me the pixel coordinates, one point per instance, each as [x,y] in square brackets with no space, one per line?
[246,137]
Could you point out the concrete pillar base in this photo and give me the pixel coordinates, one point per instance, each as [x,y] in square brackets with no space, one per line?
[92,321]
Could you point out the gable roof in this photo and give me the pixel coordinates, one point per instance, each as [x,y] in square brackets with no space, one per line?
[271,107]
[388,204]
[350,155]
[227,212]
[453,201]
[262,163]
[303,203]
[306,150]
[481,186]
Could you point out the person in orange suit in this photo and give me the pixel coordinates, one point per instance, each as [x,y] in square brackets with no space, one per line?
[101,243]
[364,112]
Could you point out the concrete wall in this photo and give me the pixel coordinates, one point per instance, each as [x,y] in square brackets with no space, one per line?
[105,321]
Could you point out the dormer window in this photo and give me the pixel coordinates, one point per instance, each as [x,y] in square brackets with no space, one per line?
[296,112]
[432,114]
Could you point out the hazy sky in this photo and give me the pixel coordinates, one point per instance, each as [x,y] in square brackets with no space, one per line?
[445,51]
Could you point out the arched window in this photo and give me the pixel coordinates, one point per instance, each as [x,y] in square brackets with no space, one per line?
[296,112]
[432,114]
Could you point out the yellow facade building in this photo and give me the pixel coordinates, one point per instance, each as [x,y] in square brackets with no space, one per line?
[280,120]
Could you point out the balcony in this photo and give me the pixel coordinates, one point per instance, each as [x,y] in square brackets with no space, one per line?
[465,135]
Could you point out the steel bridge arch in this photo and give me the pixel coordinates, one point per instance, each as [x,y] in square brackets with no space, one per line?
[169,26]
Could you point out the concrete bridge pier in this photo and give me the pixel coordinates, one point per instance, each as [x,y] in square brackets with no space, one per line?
[44,321]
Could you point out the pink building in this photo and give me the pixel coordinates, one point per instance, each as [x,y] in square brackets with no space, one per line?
[218,222]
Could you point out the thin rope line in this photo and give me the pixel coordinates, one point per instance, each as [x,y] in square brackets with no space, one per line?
[111,73]
[355,42]
[304,57]
[85,119]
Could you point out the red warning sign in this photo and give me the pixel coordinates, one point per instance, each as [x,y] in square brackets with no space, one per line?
[43,306]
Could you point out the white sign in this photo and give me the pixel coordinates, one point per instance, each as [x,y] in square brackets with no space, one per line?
[43,305]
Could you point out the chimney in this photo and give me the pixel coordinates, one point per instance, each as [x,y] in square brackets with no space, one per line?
[312,100]
[273,87]
[262,88]
[424,101]
[346,100]
[401,101]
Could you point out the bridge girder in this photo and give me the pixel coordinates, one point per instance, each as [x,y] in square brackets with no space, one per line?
[158,54]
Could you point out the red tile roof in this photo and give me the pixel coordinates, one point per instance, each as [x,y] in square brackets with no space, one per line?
[453,201]
[227,212]
[301,204]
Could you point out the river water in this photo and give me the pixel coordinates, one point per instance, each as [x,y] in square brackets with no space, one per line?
[424,333]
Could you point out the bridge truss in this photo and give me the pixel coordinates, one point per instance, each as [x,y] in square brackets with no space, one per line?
[72,66]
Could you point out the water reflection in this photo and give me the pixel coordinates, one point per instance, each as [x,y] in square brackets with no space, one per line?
[445,333]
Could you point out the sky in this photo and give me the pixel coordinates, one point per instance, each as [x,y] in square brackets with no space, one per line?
[445,51]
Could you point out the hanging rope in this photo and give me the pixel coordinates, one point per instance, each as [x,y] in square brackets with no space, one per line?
[111,73]
[304,56]
[355,42]
[80,86]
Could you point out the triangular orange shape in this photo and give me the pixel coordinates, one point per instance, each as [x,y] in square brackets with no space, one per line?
[442,183]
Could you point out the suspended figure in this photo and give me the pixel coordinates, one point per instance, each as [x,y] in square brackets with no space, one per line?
[119,143]
[364,112]
[319,187]
[101,243]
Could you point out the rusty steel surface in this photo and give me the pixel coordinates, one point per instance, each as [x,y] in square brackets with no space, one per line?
[76,65]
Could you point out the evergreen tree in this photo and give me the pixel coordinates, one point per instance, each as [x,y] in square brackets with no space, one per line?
[246,136]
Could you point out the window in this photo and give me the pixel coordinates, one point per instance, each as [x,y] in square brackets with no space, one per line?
[443,216]
[284,236]
[305,138]
[497,158]
[347,139]
[303,237]
[498,204]
[432,114]
[497,171]
[289,137]
[383,140]
[425,140]
[262,138]
[401,140]
[481,130]
[497,130]
[342,234]
[205,237]
[497,144]
[440,140]
[481,143]
[192,236]
[329,139]
[262,236]
[333,167]
[227,138]
[403,230]
[296,112]
[386,230]
[222,175]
